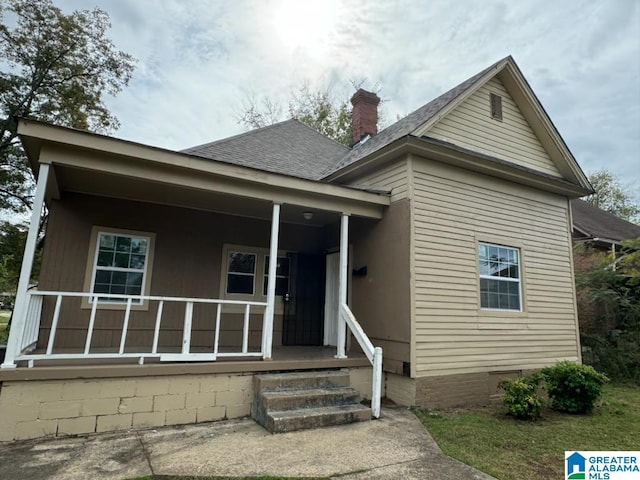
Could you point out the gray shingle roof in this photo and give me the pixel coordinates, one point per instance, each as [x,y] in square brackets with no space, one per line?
[411,122]
[597,223]
[295,149]
[290,148]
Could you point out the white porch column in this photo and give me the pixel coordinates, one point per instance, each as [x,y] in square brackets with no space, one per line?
[342,286]
[267,334]
[20,307]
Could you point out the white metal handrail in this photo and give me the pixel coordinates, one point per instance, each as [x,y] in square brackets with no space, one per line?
[31,328]
[374,354]
[32,325]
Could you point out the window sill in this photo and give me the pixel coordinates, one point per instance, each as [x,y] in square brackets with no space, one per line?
[497,311]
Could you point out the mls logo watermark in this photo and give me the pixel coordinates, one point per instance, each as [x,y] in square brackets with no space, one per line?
[583,465]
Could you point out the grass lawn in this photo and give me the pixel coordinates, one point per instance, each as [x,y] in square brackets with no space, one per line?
[510,449]
[4,319]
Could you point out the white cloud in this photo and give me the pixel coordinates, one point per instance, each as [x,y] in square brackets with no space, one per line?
[199,59]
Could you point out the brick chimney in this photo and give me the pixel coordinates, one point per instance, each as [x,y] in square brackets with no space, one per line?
[364,116]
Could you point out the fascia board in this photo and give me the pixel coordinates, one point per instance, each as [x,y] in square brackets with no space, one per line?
[36,134]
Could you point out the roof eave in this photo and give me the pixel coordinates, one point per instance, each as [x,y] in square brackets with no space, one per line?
[492,166]
[35,135]
[389,151]
[519,88]
[600,240]
[454,155]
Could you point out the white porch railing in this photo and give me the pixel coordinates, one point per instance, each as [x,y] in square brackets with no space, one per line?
[374,354]
[31,326]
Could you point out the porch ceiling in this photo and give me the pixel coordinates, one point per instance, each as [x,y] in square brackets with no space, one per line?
[95,164]
[110,185]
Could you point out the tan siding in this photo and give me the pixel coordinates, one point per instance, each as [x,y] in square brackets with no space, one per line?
[392,177]
[386,322]
[187,263]
[453,209]
[470,126]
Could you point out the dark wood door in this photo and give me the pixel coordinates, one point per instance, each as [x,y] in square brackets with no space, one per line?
[303,321]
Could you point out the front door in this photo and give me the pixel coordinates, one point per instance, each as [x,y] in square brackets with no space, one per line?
[303,313]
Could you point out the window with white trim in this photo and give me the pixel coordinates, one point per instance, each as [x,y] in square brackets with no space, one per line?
[500,277]
[245,273]
[120,265]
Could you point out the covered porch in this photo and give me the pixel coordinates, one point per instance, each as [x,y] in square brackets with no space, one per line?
[154,257]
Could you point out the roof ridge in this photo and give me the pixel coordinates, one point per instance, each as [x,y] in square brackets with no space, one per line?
[239,135]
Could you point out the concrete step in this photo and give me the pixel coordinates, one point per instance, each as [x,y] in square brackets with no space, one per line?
[309,398]
[305,418]
[284,402]
[298,380]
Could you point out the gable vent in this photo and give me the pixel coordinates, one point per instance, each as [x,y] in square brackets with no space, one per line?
[496,106]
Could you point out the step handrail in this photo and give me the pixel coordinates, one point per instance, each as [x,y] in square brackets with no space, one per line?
[374,354]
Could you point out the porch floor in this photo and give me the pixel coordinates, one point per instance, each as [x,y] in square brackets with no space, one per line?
[285,358]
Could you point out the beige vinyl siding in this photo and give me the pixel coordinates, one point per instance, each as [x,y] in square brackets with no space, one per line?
[381,300]
[470,126]
[453,209]
[392,177]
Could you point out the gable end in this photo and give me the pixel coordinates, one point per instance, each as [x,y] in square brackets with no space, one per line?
[490,122]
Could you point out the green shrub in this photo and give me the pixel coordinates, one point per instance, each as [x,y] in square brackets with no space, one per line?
[4,334]
[573,388]
[521,397]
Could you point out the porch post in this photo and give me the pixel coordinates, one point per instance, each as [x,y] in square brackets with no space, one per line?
[267,334]
[342,295]
[20,307]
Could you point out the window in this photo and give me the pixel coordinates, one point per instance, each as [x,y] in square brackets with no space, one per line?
[120,265]
[282,276]
[245,273]
[496,106]
[499,277]
[241,273]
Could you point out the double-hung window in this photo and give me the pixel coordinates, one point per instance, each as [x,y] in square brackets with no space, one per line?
[245,273]
[120,265]
[500,277]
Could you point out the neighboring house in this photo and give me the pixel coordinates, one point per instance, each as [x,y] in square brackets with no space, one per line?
[599,228]
[447,236]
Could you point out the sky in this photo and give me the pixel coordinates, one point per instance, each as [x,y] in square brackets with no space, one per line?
[199,61]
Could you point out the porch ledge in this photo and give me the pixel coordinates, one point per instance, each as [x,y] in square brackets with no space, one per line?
[80,371]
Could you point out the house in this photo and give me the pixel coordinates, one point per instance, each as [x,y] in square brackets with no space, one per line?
[430,260]
[599,228]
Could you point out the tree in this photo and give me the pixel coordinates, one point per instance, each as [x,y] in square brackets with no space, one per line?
[12,240]
[55,68]
[319,109]
[608,301]
[611,196]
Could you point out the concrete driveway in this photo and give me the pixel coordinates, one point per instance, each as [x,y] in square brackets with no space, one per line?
[396,446]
